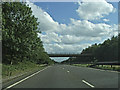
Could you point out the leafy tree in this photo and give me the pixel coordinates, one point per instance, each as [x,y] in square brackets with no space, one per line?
[107,51]
[20,35]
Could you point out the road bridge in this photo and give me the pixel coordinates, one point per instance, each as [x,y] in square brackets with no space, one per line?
[70,55]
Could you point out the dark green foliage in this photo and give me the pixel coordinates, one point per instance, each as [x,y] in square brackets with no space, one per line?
[107,51]
[20,39]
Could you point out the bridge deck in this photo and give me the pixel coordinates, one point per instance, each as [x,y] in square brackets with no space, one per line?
[70,55]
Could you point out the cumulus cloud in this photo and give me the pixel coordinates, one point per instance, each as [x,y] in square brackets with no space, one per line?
[115,30]
[46,21]
[59,59]
[85,28]
[72,38]
[66,39]
[65,48]
[94,9]
[51,37]
[106,20]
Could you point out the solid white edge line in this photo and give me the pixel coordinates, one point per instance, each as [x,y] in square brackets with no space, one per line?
[104,70]
[98,69]
[88,83]
[25,78]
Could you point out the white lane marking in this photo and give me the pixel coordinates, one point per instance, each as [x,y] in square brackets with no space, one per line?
[104,70]
[68,71]
[25,78]
[88,83]
[97,69]
[115,71]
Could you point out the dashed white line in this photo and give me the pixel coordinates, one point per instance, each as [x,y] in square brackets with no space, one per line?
[92,86]
[25,78]
[68,71]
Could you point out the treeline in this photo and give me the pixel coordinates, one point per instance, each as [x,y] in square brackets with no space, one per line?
[107,51]
[20,41]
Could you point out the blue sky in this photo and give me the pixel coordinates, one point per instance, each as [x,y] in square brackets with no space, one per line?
[62,11]
[69,27]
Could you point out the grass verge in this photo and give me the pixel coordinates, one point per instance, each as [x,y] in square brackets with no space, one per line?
[11,71]
[105,67]
[108,67]
[82,65]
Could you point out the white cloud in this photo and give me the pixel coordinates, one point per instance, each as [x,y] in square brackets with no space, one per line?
[72,38]
[59,59]
[115,30]
[51,37]
[106,20]
[93,10]
[65,48]
[85,28]
[46,21]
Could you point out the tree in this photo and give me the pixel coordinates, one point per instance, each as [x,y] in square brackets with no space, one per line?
[107,51]
[20,34]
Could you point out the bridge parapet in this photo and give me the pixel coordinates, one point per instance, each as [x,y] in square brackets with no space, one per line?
[70,55]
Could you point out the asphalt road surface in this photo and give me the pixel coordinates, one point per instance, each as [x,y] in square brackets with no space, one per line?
[66,76]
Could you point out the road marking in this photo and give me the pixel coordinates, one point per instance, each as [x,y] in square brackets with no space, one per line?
[88,83]
[63,68]
[68,71]
[104,70]
[25,78]
[115,71]
[97,69]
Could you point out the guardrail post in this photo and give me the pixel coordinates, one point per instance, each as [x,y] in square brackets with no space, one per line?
[111,66]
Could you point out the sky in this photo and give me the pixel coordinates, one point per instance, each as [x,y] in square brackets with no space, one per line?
[70,27]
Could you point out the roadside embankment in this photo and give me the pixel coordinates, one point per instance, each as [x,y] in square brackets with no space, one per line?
[104,67]
[10,72]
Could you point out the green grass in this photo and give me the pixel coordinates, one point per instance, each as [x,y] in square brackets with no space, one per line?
[14,70]
[108,67]
[105,67]
[81,65]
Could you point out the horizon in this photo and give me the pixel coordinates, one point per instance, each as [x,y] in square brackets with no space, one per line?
[70,27]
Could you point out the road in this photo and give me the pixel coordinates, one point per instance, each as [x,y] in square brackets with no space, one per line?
[66,76]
